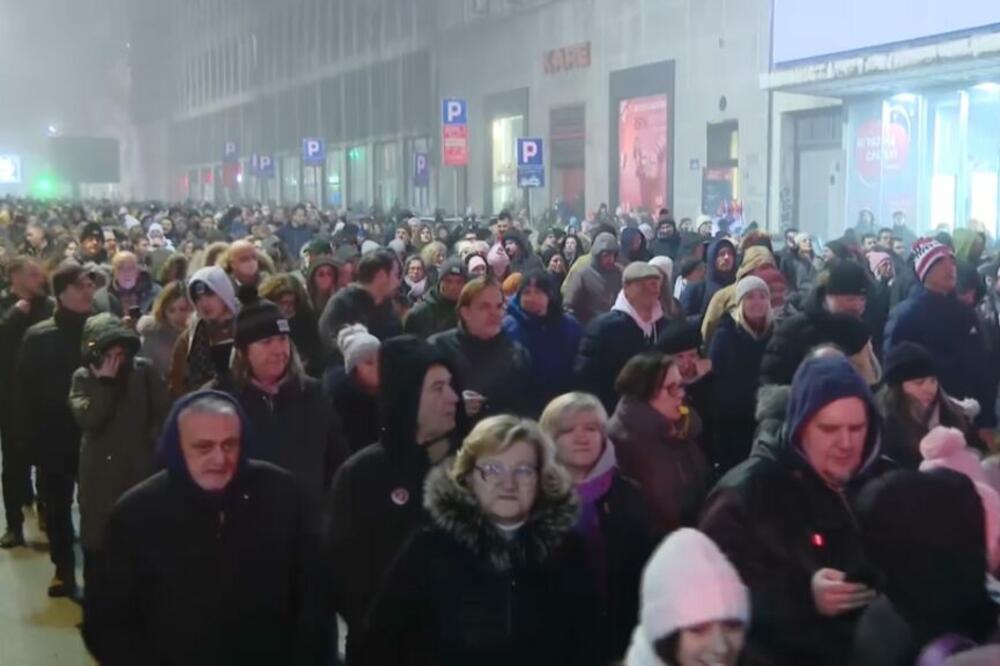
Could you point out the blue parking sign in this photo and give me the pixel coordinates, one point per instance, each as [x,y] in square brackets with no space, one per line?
[530,163]
[454,111]
[313,151]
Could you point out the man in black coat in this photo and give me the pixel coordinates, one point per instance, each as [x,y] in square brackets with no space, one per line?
[438,311]
[214,560]
[633,325]
[844,292]
[23,305]
[787,523]
[369,302]
[49,355]
[376,502]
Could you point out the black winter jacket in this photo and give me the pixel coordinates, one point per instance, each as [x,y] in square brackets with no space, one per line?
[354,305]
[461,593]
[432,315]
[49,355]
[189,578]
[499,369]
[358,411]
[609,341]
[13,325]
[296,430]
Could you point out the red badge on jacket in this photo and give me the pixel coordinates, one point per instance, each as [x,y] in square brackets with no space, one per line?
[400,496]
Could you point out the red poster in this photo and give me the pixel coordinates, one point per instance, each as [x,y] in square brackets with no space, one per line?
[455,145]
[642,153]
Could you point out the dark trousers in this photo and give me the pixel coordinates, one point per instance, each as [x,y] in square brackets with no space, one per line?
[57,489]
[15,479]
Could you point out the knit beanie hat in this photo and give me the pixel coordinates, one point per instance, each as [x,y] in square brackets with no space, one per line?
[666,266]
[926,253]
[751,283]
[475,261]
[498,259]
[257,321]
[679,337]
[876,259]
[91,230]
[945,448]
[771,276]
[907,361]
[370,246]
[688,581]
[356,344]
[847,279]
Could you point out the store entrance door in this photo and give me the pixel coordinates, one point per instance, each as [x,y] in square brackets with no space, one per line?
[821,193]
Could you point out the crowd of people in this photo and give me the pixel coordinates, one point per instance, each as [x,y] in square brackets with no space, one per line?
[616,440]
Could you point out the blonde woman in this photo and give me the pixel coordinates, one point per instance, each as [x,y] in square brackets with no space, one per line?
[499,576]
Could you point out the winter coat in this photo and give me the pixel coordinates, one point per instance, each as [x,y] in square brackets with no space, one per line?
[724,299]
[304,333]
[527,261]
[295,238]
[112,299]
[13,325]
[296,430]
[210,345]
[120,419]
[499,369]
[434,314]
[590,291]
[736,355]
[696,297]
[951,332]
[463,593]
[618,530]
[799,271]
[903,431]
[795,337]
[49,355]
[551,341]
[188,578]
[158,342]
[607,345]
[665,459]
[358,411]
[376,501]
[779,522]
[354,305]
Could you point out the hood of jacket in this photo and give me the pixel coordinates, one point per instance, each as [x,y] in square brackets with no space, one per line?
[216,279]
[168,449]
[315,266]
[754,258]
[714,274]
[103,331]
[963,240]
[817,383]
[403,364]
[604,242]
[455,510]
[648,328]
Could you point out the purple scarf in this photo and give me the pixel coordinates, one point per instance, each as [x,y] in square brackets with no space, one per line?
[592,491]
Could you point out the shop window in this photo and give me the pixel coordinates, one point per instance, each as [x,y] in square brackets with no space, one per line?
[388,175]
[335,178]
[504,132]
[359,174]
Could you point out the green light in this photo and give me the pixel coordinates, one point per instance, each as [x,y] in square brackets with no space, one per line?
[44,187]
[354,154]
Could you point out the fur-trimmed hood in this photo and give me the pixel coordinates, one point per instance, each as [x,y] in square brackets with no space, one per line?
[456,511]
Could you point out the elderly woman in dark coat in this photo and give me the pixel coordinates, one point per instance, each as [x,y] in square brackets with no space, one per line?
[499,577]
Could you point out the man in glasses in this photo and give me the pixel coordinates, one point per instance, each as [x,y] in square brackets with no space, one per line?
[377,496]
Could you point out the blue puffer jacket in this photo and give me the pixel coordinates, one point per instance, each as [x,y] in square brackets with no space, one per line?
[951,332]
[552,342]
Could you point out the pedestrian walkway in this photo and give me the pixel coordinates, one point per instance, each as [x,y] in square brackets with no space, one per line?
[36,630]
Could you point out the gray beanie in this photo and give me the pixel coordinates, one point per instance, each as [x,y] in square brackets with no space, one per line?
[356,344]
[369,246]
[748,284]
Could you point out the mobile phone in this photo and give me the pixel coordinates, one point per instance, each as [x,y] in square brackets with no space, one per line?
[135,312]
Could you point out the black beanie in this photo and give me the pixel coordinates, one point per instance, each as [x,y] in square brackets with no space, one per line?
[907,361]
[257,321]
[680,337]
[847,279]
[91,230]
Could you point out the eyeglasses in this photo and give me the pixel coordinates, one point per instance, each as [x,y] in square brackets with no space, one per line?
[495,473]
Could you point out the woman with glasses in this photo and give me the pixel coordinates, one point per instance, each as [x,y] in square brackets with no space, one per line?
[656,438]
[499,577]
[615,521]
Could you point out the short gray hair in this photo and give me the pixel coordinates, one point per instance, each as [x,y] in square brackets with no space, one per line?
[209,404]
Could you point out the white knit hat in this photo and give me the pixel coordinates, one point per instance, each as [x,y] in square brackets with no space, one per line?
[751,283]
[369,246]
[688,582]
[356,344]
[666,266]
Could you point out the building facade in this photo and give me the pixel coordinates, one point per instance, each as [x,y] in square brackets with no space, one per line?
[639,103]
[891,113]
